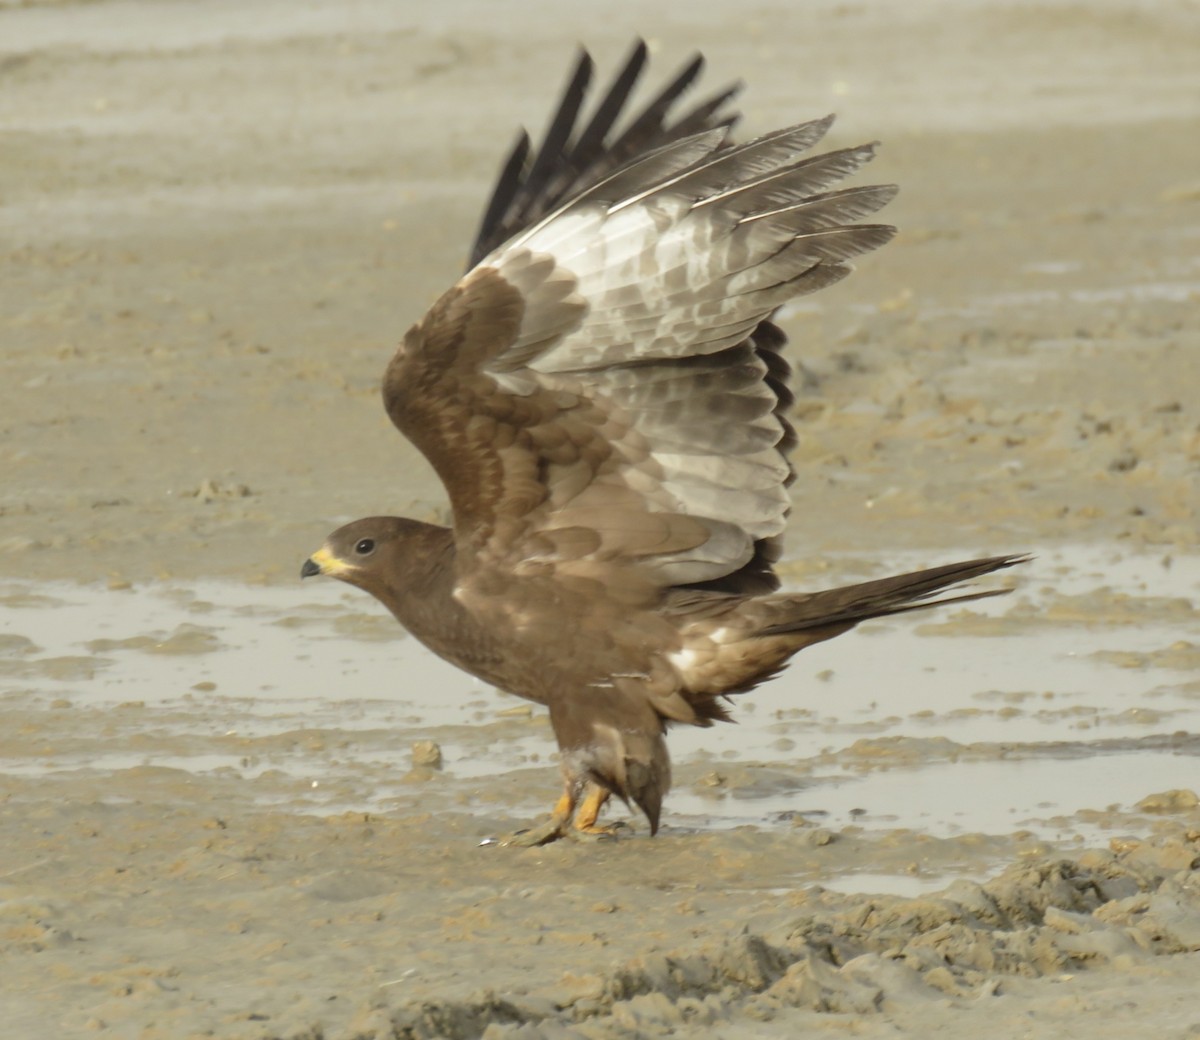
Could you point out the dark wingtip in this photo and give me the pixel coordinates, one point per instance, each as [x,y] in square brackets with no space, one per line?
[570,158]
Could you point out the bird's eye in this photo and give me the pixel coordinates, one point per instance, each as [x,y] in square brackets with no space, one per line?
[365,547]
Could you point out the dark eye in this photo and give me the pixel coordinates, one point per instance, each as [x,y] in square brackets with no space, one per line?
[365,547]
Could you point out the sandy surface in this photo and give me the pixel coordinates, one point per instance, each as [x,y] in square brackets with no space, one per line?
[215,221]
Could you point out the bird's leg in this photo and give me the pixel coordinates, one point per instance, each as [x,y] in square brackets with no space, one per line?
[554,828]
[589,810]
[585,811]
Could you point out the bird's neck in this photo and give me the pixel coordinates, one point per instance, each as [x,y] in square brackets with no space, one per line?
[421,596]
[420,587]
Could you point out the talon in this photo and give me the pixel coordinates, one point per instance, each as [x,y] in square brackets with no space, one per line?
[547,832]
[553,829]
[597,832]
[560,825]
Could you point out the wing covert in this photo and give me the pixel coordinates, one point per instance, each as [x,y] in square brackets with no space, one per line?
[602,394]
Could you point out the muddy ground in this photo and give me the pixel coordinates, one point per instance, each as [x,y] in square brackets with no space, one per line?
[219,815]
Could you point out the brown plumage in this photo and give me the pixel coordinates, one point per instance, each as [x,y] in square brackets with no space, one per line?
[603,396]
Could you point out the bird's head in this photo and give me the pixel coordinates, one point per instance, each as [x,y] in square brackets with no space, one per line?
[358,552]
[380,554]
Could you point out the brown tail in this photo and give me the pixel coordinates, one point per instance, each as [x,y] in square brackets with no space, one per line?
[871,599]
[647,774]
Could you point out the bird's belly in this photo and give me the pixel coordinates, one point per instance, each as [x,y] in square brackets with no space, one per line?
[530,668]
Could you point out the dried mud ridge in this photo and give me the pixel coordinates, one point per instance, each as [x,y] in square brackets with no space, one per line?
[855,955]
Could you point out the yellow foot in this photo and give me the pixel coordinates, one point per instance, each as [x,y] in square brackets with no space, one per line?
[585,827]
[543,834]
[553,829]
[596,832]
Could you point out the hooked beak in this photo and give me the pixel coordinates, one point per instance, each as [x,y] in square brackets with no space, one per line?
[323,562]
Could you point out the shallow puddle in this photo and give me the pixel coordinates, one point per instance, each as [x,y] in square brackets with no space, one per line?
[1073,696]
[1029,789]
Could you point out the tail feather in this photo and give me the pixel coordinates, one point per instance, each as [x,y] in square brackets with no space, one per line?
[880,598]
[647,781]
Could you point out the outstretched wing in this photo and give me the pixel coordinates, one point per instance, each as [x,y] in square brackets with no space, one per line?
[573,157]
[600,394]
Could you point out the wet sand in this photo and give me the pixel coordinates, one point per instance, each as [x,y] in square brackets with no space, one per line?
[218,810]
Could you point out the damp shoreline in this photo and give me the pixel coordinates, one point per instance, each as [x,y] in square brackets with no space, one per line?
[218,220]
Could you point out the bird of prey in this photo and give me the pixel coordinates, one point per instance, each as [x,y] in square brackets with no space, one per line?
[603,395]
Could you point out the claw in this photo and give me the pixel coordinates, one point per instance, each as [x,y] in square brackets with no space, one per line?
[594,833]
[559,825]
[553,829]
[543,834]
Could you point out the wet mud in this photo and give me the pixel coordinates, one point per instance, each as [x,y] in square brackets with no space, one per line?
[234,806]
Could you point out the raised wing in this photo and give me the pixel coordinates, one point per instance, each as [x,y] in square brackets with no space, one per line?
[601,393]
[573,157]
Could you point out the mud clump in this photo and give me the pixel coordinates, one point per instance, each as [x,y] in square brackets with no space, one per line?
[856,954]
[1173,801]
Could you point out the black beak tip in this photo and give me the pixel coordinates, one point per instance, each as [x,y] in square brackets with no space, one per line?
[309,569]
